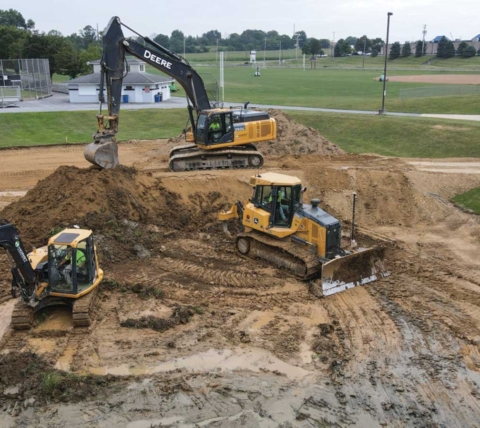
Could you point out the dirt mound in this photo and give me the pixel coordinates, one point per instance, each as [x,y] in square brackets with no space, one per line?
[128,210]
[298,139]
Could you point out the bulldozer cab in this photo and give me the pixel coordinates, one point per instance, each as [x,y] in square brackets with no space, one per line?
[280,201]
[214,127]
[72,266]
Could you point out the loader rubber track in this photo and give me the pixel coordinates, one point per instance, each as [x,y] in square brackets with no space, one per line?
[297,260]
[190,158]
[83,308]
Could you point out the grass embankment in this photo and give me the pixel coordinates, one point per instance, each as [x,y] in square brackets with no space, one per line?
[396,136]
[27,129]
[390,136]
[469,201]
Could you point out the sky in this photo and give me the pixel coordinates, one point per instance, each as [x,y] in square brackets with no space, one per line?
[319,19]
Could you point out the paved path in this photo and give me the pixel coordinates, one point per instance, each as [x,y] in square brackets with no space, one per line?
[60,102]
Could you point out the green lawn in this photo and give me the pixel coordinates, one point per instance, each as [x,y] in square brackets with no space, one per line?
[328,88]
[469,200]
[391,136]
[396,136]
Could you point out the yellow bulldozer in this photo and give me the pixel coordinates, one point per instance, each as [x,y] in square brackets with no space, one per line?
[300,238]
[65,272]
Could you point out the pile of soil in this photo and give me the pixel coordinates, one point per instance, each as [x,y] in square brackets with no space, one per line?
[297,139]
[128,210]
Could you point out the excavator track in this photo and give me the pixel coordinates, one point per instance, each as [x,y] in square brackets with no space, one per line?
[22,316]
[296,259]
[190,158]
[82,309]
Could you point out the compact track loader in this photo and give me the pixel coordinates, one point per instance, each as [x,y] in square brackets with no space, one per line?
[65,272]
[303,239]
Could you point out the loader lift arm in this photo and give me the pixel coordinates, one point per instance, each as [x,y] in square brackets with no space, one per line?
[115,47]
[23,275]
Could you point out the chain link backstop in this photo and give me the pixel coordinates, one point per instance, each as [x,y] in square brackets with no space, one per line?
[32,76]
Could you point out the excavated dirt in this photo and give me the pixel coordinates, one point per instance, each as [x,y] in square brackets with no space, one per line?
[188,333]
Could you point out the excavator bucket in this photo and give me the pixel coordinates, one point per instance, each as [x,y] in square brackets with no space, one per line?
[104,155]
[352,270]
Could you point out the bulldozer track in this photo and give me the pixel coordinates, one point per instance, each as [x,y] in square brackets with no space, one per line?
[298,261]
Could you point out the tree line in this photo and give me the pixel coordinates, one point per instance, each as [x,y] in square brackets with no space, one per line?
[445,49]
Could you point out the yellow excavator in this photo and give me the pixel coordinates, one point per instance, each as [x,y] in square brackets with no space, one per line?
[300,238]
[65,272]
[217,137]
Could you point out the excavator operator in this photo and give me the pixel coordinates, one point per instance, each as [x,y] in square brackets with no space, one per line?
[215,129]
[67,271]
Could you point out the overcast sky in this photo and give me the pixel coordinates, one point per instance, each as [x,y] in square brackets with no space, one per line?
[317,18]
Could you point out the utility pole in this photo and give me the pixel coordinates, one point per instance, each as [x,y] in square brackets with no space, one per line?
[424,32]
[216,53]
[296,46]
[382,110]
[280,54]
[264,49]
[364,48]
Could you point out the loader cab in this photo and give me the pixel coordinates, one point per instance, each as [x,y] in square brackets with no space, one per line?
[280,201]
[214,128]
[72,266]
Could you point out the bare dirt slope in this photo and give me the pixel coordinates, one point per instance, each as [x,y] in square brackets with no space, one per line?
[188,333]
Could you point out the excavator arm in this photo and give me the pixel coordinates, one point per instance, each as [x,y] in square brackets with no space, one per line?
[23,275]
[103,151]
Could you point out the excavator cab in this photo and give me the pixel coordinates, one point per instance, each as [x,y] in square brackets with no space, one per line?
[72,266]
[214,128]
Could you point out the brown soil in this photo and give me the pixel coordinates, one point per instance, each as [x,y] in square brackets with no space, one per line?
[220,340]
[452,79]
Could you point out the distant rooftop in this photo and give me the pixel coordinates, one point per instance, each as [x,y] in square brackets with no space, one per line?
[132,78]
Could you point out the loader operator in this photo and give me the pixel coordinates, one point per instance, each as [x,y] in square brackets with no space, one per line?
[67,271]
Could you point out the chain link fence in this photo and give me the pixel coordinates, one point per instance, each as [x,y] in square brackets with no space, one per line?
[440,91]
[9,96]
[32,76]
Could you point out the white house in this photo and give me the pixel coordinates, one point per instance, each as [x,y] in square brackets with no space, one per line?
[138,86]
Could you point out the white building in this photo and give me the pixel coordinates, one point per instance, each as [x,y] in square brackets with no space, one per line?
[138,86]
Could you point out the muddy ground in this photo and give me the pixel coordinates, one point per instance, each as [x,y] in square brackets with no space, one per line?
[187,333]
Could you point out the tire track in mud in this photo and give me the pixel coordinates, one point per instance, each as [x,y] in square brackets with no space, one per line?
[212,276]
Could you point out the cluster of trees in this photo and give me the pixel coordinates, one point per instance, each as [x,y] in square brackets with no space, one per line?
[67,55]
[445,49]
[358,44]
[247,41]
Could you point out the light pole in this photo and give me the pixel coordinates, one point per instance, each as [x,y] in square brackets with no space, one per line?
[382,110]
[333,45]
[264,49]
[364,48]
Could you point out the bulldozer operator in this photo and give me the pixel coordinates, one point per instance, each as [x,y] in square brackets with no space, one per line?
[283,208]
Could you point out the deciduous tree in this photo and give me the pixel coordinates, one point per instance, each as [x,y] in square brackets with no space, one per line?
[406,50]
[395,50]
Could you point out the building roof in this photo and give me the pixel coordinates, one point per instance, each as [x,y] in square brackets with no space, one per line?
[476,37]
[132,78]
[437,39]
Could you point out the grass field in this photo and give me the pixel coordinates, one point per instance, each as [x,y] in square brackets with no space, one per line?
[469,200]
[328,88]
[391,136]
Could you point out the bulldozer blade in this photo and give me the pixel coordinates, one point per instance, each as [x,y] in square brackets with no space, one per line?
[352,270]
[104,155]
